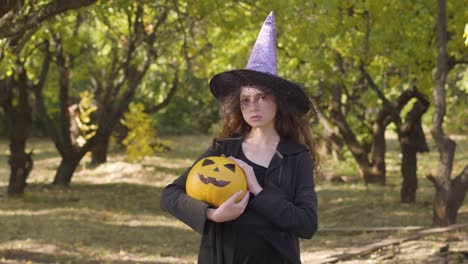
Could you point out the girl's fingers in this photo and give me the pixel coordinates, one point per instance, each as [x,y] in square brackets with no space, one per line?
[238,161]
[245,199]
[244,166]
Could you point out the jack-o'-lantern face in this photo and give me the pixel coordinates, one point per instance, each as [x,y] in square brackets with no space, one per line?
[214,179]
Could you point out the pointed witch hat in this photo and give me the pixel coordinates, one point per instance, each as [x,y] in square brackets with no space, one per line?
[262,70]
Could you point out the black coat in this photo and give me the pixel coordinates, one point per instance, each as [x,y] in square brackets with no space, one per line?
[288,202]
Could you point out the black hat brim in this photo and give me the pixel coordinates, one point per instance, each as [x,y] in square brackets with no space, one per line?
[223,84]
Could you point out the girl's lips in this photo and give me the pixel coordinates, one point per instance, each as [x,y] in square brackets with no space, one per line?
[255,117]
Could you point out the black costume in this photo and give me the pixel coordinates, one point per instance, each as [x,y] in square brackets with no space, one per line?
[269,228]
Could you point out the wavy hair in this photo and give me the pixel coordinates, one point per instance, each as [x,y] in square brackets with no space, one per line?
[289,123]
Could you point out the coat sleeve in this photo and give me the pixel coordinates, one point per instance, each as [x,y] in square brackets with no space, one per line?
[298,216]
[175,200]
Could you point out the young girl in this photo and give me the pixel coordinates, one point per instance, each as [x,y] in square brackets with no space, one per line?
[265,132]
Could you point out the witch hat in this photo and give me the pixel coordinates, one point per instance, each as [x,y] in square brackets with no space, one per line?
[262,70]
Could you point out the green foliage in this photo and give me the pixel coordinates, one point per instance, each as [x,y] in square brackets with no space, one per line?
[141,137]
[202,38]
[465,35]
[87,126]
[457,99]
[192,110]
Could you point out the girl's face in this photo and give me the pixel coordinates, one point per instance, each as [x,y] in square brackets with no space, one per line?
[258,108]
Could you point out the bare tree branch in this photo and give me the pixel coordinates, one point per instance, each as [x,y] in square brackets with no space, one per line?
[13,25]
[40,105]
[374,86]
[170,95]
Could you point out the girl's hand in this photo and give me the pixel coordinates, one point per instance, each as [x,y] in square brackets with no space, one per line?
[229,210]
[252,183]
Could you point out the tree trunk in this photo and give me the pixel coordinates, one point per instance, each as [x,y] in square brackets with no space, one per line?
[21,164]
[408,171]
[372,175]
[378,150]
[412,140]
[449,193]
[332,144]
[336,146]
[448,200]
[99,153]
[120,132]
[19,117]
[65,170]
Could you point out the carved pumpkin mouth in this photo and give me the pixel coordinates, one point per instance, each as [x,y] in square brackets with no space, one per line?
[212,180]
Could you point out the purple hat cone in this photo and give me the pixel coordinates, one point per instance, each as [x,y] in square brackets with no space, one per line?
[262,70]
[263,56]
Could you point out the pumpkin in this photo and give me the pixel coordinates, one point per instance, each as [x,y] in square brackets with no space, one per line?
[215,179]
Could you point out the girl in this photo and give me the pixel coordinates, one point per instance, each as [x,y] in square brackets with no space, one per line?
[265,132]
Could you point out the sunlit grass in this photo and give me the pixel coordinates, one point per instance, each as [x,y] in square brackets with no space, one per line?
[111,212]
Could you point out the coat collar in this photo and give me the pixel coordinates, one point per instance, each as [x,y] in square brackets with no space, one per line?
[285,147]
[289,147]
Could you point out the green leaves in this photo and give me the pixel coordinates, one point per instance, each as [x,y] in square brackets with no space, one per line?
[86,108]
[141,133]
[394,41]
[465,35]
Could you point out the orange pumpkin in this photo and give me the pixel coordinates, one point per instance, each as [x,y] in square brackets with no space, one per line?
[214,179]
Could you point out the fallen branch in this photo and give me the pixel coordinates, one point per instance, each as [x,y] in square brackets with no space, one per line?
[371,229]
[362,251]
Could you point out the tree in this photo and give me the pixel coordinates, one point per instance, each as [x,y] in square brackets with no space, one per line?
[371,160]
[19,20]
[450,193]
[14,99]
[131,41]
[362,108]
[394,58]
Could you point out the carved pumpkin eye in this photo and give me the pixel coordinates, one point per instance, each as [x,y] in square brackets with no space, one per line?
[230,167]
[207,162]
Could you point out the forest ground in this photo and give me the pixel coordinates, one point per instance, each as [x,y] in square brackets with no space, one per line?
[111,214]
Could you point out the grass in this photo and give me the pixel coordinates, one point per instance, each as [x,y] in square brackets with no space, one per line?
[111,214]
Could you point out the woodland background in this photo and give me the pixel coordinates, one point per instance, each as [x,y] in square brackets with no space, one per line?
[102,103]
